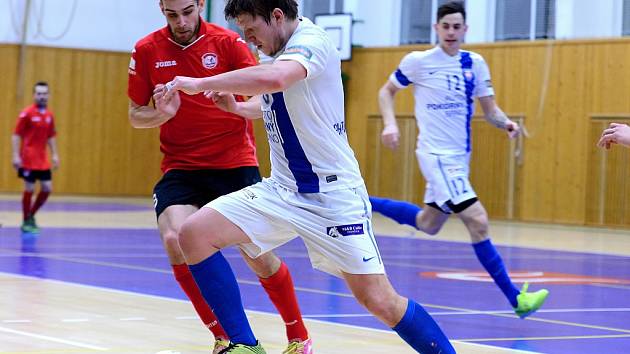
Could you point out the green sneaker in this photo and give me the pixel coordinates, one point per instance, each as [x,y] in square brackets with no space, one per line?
[220,345]
[32,226]
[244,349]
[27,228]
[529,303]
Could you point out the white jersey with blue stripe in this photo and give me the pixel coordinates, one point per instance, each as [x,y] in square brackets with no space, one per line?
[444,91]
[305,122]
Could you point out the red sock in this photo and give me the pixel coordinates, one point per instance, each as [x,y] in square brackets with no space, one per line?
[187,283]
[26,203]
[280,289]
[39,201]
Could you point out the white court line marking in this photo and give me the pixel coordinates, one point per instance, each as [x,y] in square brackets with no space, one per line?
[351,315]
[305,289]
[53,339]
[507,350]
[493,312]
[74,320]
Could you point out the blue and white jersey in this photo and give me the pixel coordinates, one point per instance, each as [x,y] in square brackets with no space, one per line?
[444,90]
[305,123]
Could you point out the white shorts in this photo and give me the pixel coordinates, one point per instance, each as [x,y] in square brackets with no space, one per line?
[447,178]
[336,226]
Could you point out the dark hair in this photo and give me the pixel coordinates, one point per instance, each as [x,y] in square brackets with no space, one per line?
[40,83]
[262,8]
[451,7]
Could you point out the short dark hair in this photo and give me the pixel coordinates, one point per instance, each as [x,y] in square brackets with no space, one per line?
[262,8]
[39,83]
[451,7]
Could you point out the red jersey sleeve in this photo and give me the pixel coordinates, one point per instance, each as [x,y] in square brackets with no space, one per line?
[21,125]
[139,87]
[240,54]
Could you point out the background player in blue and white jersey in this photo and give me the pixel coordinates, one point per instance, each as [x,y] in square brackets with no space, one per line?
[445,81]
[315,189]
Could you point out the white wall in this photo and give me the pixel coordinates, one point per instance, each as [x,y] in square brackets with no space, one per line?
[588,18]
[379,22]
[105,25]
[118,24]
[480,19]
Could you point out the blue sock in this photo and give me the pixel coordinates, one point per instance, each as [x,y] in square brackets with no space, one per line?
[402,212]
[491,260]
[220,290]
[421,332]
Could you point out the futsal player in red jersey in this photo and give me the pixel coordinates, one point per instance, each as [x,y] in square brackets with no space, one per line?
[207,152]
[34,131]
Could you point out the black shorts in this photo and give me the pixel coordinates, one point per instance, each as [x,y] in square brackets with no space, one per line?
[199,187]
[33,175]
[454,208]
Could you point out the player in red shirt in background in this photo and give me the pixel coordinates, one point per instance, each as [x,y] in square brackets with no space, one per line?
[207,152]
[34,130]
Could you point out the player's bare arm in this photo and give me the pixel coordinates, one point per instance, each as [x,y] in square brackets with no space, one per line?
[616,133]
[226,101]
[149,117]
[16,141]
[390,135]
[495,116]
[251,81]
[54,155]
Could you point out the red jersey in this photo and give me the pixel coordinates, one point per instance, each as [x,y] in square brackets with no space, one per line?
[200,135]
[35,127]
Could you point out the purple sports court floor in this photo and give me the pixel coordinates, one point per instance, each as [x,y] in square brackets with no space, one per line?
[588,310]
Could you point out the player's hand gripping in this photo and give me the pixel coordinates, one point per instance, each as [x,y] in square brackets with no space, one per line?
[224,100]
[615,134]
[391,136]
[188,85]
[167,105]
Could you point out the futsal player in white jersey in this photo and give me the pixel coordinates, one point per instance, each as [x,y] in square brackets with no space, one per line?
[315,190]
[445,81]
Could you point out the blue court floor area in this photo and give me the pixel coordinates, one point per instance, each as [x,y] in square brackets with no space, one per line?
[588,310]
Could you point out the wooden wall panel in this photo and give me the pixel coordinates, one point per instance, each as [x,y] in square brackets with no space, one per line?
[556,86]
[8,114]
[608,194]
[99,150]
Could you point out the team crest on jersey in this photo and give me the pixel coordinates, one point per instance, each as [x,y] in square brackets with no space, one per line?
[209,60]
[468,75]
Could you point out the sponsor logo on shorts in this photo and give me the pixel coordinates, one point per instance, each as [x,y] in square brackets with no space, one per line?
[209,60]
[165,64]
[345,230]
[333,232]
[367,259]
[249,194]
[331,178]
[155,201]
